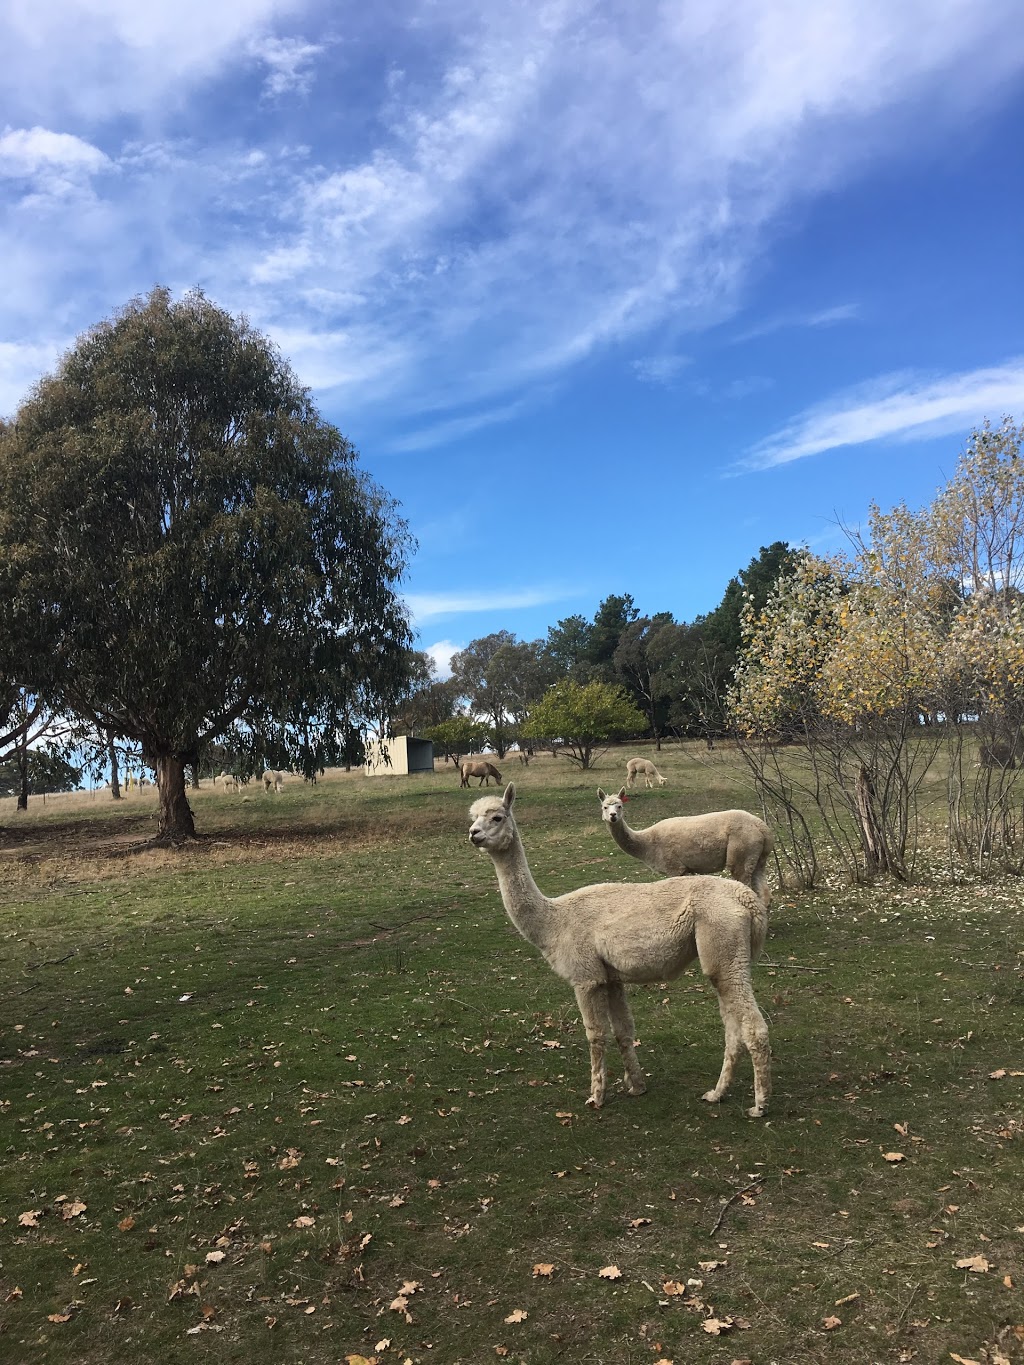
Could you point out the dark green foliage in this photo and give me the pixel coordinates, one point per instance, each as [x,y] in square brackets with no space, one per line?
[187,549]
[47,772]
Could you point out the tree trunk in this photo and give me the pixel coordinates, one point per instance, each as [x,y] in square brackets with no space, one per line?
[115,780]
[872,841]
[23,771]
[176,823]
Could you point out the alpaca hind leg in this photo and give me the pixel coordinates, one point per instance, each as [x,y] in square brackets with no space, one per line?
[625,1035]
[759,881]
[592,999]
[745,1028]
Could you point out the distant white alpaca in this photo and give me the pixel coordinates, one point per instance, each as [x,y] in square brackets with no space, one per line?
[599,937]
[228,782]
[273,780]
[684,844]
[643,767]
[478,767]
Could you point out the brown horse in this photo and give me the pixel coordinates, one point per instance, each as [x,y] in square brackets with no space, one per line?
[478,767]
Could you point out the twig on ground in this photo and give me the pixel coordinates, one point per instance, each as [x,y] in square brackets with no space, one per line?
[731,1200]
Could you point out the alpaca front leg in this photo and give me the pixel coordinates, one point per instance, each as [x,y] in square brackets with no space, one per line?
[625,1035]
[593,1003]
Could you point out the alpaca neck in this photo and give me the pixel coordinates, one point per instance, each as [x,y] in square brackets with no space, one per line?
[526,905]
[631,841]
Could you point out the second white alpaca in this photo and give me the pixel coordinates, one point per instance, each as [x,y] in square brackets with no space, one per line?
[643,767]
[732,839]
[599,937]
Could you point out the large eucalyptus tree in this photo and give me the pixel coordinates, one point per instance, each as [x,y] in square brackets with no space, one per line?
[188,549]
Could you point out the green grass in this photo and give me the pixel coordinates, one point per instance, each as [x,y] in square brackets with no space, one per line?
[374,1080]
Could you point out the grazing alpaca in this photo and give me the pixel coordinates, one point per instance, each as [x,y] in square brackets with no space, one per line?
[478,767]
[642,767]
[599,937]
[684,844]
[272,779]
[229,780]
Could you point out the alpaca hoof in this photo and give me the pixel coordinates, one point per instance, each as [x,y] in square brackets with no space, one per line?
[757,1112]
[634,1087]
[711,1097]
[594,1102]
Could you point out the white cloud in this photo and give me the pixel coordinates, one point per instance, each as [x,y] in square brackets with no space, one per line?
[441,652]
[896,407]
[31,151]
[97,58]
[424,606]
[289,62]
[20,367]
[480,197]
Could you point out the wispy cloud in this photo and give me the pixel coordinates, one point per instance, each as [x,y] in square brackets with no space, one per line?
[896,407]
[660,369]
[823,317]
[461,221]
[426,606]
[455,428]
[289,63]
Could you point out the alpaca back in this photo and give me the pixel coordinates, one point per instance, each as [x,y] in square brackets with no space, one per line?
[652,931]
[685,844]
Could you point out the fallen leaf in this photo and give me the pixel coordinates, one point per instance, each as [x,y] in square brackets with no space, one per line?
[639,1222]
[215,1257]
[303,1221]
[126,1224]
[517,1315]
[403,1120]
[501,1350]
[30,1218]
[830,1324]
[74,1209]
[543,1270]
[396,1203]
[976,1263]
[58,1317]
[894,1156]
[399,1304]
[673,1288]
[716,1326]
[997,1075]
[610,1272]
[15,1293]
[710,1265]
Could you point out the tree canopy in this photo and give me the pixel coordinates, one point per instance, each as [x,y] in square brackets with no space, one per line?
[187,547]
[583,717]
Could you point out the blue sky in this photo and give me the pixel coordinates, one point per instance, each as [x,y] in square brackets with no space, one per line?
[607,295]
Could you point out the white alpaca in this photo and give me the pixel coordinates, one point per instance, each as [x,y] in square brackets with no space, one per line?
[478,767]
[684,844]
[599,937]
[229,782]
[273,780]
[643,767]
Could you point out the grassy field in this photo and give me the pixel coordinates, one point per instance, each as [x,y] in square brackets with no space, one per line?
[301,1093]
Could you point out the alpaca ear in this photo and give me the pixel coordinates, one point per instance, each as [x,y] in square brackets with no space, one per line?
[600,794]
[510,795]
[622,793]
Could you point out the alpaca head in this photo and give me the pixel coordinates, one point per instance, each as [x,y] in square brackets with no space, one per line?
[661,780]
[611,806]
[493,828]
